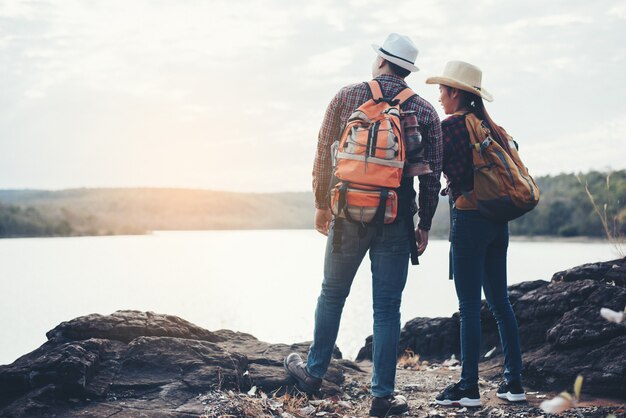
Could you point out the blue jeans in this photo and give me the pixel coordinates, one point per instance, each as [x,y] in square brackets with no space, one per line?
[389,255]
[479,249]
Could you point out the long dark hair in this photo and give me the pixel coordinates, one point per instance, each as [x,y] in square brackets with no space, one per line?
[476,104]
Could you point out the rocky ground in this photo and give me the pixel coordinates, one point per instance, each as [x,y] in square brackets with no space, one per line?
[420,385]
[142,364]
[562,333]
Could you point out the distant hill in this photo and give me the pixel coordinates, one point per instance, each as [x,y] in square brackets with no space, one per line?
[564,210]
[136,211]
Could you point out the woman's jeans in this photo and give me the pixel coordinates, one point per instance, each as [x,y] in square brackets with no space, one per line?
[479,249]
[389,255]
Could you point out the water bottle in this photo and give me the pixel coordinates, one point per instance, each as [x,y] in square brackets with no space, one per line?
[415,165]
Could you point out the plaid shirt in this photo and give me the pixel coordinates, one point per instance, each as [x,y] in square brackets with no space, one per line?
[345,102]
[457,156]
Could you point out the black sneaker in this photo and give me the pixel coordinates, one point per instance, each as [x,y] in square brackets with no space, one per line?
[453,395]
[297,369]
[389,405]
[512,391]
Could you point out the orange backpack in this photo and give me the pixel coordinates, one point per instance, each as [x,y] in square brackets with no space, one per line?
[369,160]
[503,189]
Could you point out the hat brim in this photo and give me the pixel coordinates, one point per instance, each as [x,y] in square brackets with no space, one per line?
[450,82]
[397,61]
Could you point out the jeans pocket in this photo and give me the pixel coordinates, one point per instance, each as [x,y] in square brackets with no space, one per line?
[464,229]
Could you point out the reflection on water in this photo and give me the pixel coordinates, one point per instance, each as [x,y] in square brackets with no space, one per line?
[261,282]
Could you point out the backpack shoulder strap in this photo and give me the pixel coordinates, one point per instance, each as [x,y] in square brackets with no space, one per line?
[472,123]
[404,95]
[375,89]
[479,134]
[477,123]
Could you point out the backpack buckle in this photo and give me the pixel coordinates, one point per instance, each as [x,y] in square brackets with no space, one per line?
[390,102]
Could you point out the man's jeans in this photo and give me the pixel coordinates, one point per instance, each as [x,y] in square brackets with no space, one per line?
[479,249]
[389,255]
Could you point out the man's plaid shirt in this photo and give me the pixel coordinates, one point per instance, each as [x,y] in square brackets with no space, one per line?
[339,110]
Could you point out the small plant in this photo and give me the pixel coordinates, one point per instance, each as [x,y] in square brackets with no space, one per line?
[610,224]
[293,404]
[220,379]
[564,400]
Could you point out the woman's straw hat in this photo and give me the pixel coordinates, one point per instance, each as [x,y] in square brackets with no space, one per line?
[463,76]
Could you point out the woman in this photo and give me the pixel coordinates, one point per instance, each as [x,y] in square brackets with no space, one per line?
[479,245]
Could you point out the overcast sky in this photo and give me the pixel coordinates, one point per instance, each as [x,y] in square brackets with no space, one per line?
[229,95]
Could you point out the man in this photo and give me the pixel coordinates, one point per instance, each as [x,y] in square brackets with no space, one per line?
[389,249]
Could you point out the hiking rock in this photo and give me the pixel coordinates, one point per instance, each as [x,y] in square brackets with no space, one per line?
[127,325]
[561,331]
[610,271]
[144,364]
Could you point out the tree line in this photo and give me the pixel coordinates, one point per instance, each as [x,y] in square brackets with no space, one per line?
[16,221]
[566,209]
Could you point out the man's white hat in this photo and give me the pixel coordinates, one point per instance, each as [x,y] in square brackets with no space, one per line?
[464,76]
[399,50]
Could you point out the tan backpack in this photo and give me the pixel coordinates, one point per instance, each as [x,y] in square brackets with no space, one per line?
[503,189]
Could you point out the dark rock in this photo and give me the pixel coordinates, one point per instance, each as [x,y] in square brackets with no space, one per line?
[561,331]
[602,366]
[519,289]
[610,271]
[432,338]
[582,326]
[68,367]
[265,361]
[36,403]
[127,325]
[157,361]
[136,364]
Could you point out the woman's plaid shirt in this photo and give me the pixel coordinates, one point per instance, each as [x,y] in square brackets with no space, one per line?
[457,156]
[339,110]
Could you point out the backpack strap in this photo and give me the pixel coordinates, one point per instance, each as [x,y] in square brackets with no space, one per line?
[410,225]
[380,213]
[375,89]
[404,95]
[338,231]
[475,143]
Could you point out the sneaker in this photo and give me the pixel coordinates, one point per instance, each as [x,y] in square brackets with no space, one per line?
[453,395]
[297,369]
[389,405]
[512,391]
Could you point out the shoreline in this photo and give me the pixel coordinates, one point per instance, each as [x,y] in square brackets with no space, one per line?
[517,238]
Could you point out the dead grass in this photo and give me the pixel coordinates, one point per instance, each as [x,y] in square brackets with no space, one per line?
[409,360]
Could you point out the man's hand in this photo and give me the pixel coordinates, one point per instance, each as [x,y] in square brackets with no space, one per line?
[421,237]
[322,220]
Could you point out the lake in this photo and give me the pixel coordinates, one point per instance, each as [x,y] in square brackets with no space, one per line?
[264,283]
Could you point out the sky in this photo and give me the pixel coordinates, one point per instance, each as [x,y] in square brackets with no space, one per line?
[230,95]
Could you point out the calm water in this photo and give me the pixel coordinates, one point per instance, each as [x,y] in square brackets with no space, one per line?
[261,282]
